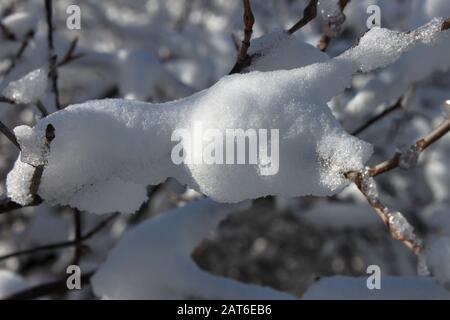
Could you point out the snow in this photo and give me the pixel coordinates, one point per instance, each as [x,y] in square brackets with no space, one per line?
[438,259]
[109,142]
[154,260]
[19,183]
[392,288]
[278,50]
[20,23]
[28,89]
[140,75]
[394,81]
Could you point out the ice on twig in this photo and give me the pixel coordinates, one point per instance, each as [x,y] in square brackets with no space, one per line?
[400,227]
[409,158]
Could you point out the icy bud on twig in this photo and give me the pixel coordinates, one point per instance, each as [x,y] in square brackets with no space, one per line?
[333,15]
[408,159]
[400,227]
[369,186]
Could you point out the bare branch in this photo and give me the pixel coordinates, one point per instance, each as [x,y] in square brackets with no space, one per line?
[19,54]
[309,14]
[64,244]
[244,59]
[78,236]
[418,147]
[42,108]
[70,54]
[9,134]
[398,226]
[378,117]
[8,34]
[52,59]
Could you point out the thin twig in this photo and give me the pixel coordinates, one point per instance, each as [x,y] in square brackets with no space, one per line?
[9,134]
[52,57]
[78,236]
[70,54]
[309,14]
[42,108]
[378,117]
[405,233]
[20,52]
[244,60]
[8,34]
[7,205]
[330,29]
[64,244]
[419,145]
[53,287]
[249,20]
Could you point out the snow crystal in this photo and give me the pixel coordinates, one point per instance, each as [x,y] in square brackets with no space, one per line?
[28,89]
[438,259]
[18,183]
[131,142]
[154,260]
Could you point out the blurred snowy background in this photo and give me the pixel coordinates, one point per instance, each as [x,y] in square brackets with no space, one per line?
[161,50]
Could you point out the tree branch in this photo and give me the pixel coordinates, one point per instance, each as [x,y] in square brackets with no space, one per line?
[398,226]
[78,236]
[413,150]
[309,14]
[64,244]
[244,59]
[70,54]
[52,57]
[9,134]
[333,27]
[20,52]
[378,117]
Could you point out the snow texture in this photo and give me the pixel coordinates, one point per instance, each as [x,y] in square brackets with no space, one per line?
[20,23]
[28,89]
[154,260]
[112,149]
[394,81]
